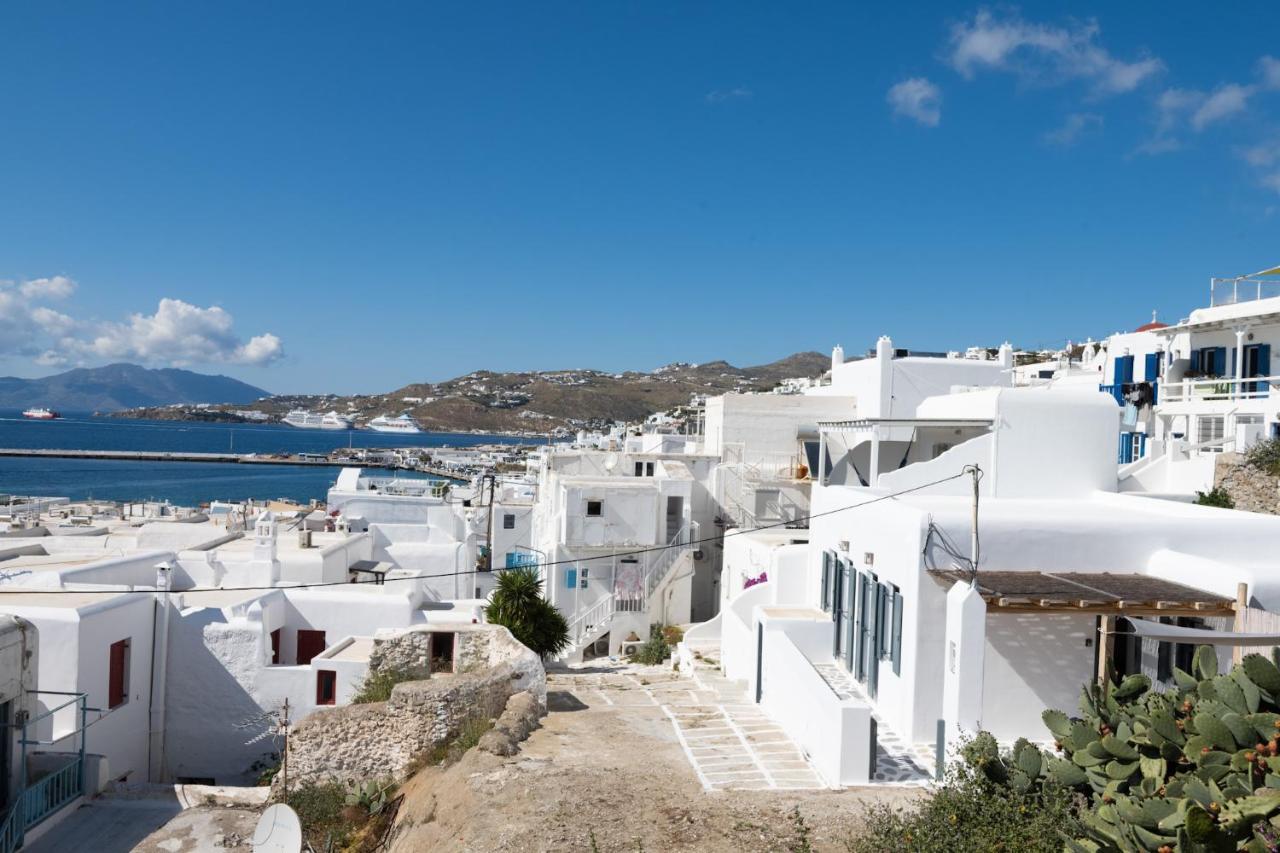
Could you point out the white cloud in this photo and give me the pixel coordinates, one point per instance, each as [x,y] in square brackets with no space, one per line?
[1043,53]
[177,333]
[1269,70]
[916,98]
[1075,126]
[55,287]
[182,333]
[1225,101]
[737,93]
[1265,159]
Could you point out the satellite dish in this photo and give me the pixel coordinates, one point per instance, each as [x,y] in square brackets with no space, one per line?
[278,831]
[611,462]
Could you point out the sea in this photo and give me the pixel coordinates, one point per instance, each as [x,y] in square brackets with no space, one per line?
[186,483]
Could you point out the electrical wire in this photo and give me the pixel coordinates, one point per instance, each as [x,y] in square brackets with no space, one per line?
[547,564]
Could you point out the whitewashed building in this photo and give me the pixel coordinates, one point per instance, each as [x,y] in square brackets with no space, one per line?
[881,634]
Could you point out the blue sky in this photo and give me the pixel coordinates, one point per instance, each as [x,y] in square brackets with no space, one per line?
[349,197]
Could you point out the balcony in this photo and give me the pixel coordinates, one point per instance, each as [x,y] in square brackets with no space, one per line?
[1217,389]
[1232,291]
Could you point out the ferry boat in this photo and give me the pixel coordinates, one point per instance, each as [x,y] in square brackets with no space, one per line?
[310,420]
[402,424]
[41,414]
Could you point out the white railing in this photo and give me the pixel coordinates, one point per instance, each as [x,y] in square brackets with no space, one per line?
[1189,390]
[1229,291]
[586,626]
[676,548]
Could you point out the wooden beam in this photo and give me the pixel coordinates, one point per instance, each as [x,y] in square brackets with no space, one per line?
[1106,648]
[1239,623]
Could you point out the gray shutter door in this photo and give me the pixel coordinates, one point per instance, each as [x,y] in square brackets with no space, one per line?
[897,633]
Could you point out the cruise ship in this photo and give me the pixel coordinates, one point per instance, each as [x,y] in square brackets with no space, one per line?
[310,420]
[402,424]
[43,414]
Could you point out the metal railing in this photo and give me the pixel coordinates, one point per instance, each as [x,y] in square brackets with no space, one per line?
[1230,291]
[38,801]
[676,548]
[1219,388]
[586,626]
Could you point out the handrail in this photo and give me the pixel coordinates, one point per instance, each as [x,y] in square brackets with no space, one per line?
[588,620]
[1219,388]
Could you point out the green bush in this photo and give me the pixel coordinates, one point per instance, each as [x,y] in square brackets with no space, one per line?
[1195,768]
[1218,497]
[517,603]
[319,807]
[376,686]
[1265,456]
[969,812]
[656,649]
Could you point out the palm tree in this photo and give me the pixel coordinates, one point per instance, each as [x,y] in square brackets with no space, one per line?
[517,603]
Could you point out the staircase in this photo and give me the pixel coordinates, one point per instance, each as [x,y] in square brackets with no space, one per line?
[592,622]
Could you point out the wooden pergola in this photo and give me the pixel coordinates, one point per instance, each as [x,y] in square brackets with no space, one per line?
[1093,593]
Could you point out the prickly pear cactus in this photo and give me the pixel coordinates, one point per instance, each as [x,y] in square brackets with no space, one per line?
[1195,769]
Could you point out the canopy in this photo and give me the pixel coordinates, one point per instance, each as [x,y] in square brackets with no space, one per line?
[1176,634]
[1272,271]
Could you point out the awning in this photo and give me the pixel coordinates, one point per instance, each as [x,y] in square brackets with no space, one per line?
[1272,271]
[1202,636]
[1105,593]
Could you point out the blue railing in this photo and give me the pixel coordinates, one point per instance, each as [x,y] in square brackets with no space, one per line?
[521,560]
[52,792]
[38,801]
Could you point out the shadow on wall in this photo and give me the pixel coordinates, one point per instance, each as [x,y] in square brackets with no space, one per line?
[1033,662]
[209,730]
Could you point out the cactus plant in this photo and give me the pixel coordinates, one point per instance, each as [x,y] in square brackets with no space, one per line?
[1195,769]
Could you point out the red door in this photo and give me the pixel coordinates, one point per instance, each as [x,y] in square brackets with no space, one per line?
[310,644]
[116,690]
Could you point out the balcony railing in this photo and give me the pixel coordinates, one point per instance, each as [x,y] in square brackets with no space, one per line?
[1229,291]
[1215,389]
[44,797]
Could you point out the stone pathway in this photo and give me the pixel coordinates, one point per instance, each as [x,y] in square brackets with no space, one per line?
[729,742]
[897,762]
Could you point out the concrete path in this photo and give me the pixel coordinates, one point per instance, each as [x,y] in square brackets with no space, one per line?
[106,826]
[729,743]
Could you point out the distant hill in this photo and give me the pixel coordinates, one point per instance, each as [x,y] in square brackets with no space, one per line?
[123,386]
[540,401]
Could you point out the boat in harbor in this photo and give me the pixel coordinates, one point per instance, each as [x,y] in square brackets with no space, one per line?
[311,420]
[41,414]
[401,424]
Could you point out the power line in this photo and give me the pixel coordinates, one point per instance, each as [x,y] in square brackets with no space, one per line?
[577,561]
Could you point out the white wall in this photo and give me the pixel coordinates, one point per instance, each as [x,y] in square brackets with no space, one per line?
[767,423]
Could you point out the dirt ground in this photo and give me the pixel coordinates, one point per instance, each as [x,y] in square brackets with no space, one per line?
[611,778]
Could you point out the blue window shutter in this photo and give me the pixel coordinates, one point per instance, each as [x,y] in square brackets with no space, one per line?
[1195,360]
[1123,369]
[571,578]
[826,580]
[1264,359]
[1235,356]
[1220,360]
[896,651]
[1151,371]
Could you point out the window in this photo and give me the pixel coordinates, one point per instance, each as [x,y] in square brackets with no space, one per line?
[595,509]
[1210,428]
[310,644]
[326,687]
[509,521]
[648,469]
[118,678]
[442,643]
[275,646]
[639,469]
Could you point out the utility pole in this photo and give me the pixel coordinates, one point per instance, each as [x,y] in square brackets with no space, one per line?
[976,472]
[284,763]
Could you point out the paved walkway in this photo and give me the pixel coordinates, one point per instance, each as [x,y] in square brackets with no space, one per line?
[897,762]
[729,742]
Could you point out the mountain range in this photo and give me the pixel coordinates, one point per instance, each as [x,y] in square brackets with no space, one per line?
[123,386]
[536,401]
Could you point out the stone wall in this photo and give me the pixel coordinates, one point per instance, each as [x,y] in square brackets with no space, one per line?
[380,739]
[475,647]
[1250,488]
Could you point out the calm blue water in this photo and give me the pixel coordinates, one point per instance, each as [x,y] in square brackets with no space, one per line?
[182,482]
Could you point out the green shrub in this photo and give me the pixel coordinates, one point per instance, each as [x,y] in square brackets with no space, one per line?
[1218,497]
[376,686]
[319,807]
[969,812]
[442,755]
[1265,456]
[656,649]
[517,603]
